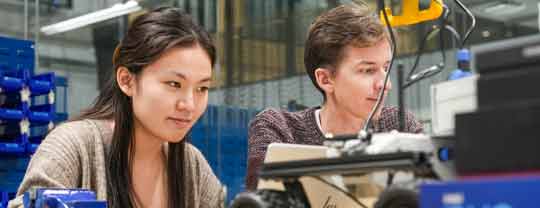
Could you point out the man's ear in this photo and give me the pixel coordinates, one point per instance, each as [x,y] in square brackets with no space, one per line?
[126,80]
[325,79]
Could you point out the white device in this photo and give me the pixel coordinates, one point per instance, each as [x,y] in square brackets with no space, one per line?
[450,98]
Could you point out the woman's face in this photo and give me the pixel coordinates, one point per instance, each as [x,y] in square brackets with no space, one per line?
[171,93]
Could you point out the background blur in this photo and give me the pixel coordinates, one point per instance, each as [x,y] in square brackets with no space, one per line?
[260,52]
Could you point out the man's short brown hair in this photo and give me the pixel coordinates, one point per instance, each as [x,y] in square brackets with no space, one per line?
[350,24]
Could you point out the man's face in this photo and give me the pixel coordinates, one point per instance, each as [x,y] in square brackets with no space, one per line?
[359,78]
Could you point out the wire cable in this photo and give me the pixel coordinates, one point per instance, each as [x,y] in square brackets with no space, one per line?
[429,34]
[381,93]
[473,22]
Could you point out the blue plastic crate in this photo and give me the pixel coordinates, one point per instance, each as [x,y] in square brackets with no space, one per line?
[11,114]
[42,84]
[63,198]
[501,192]
[7,197]
[12,108]
[11,84]
[16,146]
[3,199]
[16,54]
[43,114]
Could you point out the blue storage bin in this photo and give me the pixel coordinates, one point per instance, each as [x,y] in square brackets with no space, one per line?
[12,143]
[42,114]
[11,84]
[63,198]
[11,114]
[42,84]
[3,199]
[12,107]
[16,54]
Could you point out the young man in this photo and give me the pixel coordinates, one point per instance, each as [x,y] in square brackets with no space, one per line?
[347,55]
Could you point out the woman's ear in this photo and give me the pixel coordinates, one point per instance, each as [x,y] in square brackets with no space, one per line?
[125,80]
[325,79]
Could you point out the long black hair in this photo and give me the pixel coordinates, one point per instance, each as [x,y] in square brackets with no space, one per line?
[149,36]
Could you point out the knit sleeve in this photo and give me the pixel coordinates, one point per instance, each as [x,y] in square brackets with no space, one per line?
[389,120]
[413,125]
[263,130]
[211,192]
[55,164]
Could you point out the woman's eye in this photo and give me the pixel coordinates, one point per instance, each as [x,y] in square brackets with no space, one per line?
[174,84]
[202,89]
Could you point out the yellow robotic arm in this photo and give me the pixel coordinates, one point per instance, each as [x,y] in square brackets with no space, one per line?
[411,14]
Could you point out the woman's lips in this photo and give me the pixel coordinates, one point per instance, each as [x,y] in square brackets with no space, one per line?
[180,122]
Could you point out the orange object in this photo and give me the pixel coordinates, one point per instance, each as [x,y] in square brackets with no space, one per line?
[411,13]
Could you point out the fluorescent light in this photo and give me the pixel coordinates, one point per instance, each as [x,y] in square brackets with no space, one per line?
[91,18]
[504,7]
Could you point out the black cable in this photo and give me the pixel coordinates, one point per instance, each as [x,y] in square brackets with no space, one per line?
[421,48]
[381,93]
[454,32]
[339,189]
[436,69]
[442,23]
[473,22]
[441,65]
[390,179]
[424,76]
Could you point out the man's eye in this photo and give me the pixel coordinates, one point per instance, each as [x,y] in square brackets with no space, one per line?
[369,71]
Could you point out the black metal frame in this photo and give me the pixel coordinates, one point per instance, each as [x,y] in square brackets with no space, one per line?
[347,165]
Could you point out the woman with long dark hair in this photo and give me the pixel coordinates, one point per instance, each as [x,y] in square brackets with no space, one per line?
[130,146]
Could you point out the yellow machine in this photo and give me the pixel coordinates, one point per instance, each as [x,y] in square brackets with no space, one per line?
[411,13]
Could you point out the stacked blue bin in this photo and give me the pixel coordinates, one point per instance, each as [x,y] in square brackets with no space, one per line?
[16,64]
[27,101]
[221,135]
[62,198]
[42,112]
[3,199]
[27,111]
